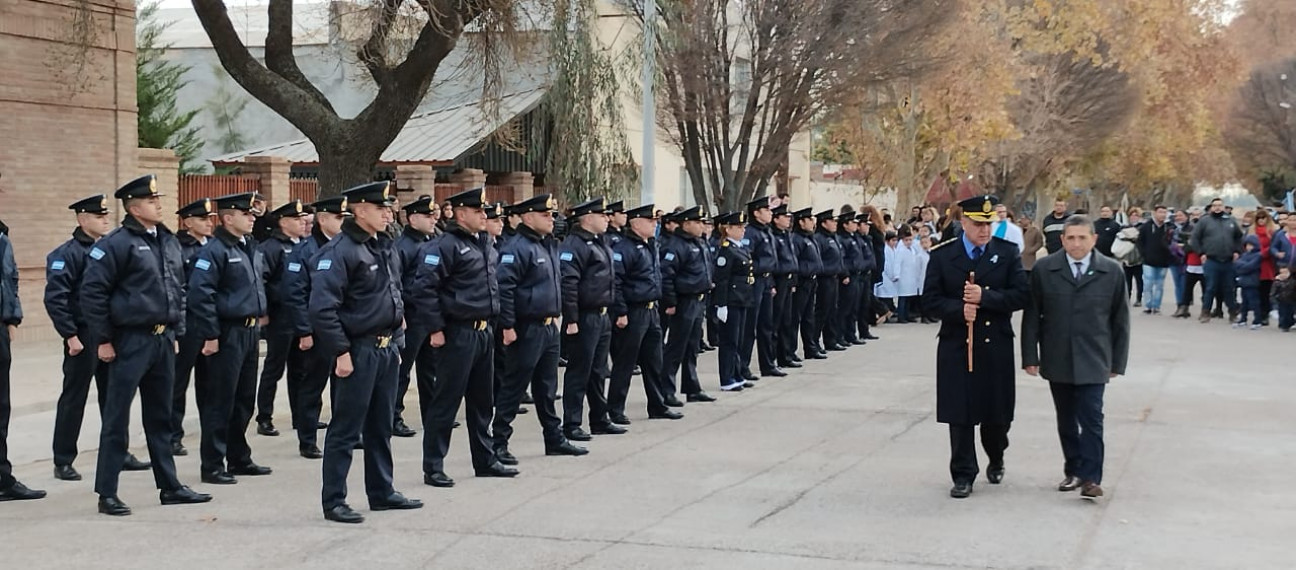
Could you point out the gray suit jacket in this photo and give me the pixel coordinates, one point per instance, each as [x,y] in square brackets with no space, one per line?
[1077,332]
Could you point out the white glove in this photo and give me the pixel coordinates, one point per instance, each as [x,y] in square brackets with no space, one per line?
[722,313]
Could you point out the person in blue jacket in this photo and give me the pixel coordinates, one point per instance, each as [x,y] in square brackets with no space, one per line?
[290,230]
[810,265]
[686,279]
[759,332]
[735,294]
[785,288]
[11,315]
[416,352]
[1247,269]
[198,218]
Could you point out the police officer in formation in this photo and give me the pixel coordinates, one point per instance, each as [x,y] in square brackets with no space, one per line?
[686,279]
[831,276]
[133,302]
[64,268]
[11,316]
[849,292]
[809,267]
[198,220]
[419,226]
[228,301]
[758,326]
[735,295]
[785,290]
[530,305]
[290,228]
[617,220]
[588,283]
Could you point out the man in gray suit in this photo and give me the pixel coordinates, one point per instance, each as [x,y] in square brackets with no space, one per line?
[1075,333]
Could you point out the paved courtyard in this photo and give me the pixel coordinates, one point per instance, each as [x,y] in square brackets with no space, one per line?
[840,465]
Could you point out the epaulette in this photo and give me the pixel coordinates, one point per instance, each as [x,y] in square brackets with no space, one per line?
[944,243]
[724,243]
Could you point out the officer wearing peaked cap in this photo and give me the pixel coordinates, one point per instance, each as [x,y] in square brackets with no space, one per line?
[198,220]
[810,265]
[132,299]
[418,230]
[64,268]
[848,293]
[457,295]
[616,222]
[735,295]
[974,284]
[11,316]
[356,308]
[227,298]
[785,281]
[759,326]
[289,223]
[831,277]
[686,279]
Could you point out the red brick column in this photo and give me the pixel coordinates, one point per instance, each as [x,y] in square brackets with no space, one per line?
[274,172]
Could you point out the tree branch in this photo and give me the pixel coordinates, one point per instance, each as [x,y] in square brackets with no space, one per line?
[279,56]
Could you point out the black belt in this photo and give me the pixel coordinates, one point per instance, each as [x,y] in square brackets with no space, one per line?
[648,305]
[157,330]
[242,323]
[378,340]
[475,325]
[546,321]
[599,310]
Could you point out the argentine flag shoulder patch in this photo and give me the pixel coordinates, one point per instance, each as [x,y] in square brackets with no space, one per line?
[324,265]
[670,256]
[202,264]
[432,259]
[566,256]
[294,267]
[96,253]
[507,258]
[746,241]
[616,257]
[57,265]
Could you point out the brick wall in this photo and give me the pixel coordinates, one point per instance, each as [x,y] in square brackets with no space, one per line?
[66,130]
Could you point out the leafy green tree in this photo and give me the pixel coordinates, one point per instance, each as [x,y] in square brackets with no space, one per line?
[157,82]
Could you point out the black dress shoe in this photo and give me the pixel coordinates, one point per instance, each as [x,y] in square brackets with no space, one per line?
[665,415]
[795,358]
[775,373]
[400,429]
[701,397]
[438,479]
[835,348]
[113,506]
[609,429]
[577,434]
[858,341]
[566,448]
[523,411]
[66,473]
[619,419]
[455,425]
[178,449]
[1071,483]
[527,399]
[706,347]
[748,375]
[673,402]
[497,469]
[343,514]
[251,469]
[20,492]
[995,473]
[310,451]
[790,364]
[134,464]
[321,425]
[871,336]
[503,456]
[816,356]
[562,362]
[637,371]
[267,428]
[395,502]
[219,478]
[961,490]
[183,496]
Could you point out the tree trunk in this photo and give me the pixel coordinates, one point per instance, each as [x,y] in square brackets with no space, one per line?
[345,166]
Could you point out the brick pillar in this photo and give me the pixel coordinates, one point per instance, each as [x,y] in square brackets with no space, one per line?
[273,171]
[164,164]
[469,178]
[414,180]
[523,184]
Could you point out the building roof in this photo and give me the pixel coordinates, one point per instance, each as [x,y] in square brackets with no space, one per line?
[435,137]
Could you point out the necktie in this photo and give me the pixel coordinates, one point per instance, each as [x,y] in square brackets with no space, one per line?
[976,253]
[1078,265]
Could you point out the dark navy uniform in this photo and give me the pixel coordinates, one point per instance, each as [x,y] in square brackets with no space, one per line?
[759,329]
[734,294]
[859,321]
[848,294]
[638,296]
[10,315]
[830,280]
[810,265]
[588,284]
[785,284]
[227,298]
[356,308]
[530,303]
[281,347]
[985,395]
[457,294]
[132,298]
[416,351]
[189,360]
[686,278]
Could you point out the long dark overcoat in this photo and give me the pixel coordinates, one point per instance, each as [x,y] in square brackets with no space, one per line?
[1077,332]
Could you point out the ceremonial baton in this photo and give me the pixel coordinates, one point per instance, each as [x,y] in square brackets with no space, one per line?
[971,324]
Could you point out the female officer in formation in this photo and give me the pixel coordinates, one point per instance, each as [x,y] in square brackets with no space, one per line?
[735,294]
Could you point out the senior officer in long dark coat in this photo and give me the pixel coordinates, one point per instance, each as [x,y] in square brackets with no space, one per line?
[974,283]
[134,306]
[759,330]
[457,293]
[1076,334]
[289,233]
[530,304]
[227,298]
[588,284]
[356,307]
[416,352]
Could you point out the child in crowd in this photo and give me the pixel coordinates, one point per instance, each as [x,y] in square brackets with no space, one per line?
[1285,294]
[1247,268]
[887,287]
[909,285]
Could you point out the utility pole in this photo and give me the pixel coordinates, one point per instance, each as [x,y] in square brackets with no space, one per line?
[649,104]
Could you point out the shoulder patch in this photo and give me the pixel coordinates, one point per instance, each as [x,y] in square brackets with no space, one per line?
[324,265]
[57,265]
[720,261]
[616,257]
[96,253]
[566,256]
[746,241]
[670,256]
[202,264]
[294,267]
[507,258]
[432,259]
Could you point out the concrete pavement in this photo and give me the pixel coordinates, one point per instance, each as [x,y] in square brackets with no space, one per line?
[840,465]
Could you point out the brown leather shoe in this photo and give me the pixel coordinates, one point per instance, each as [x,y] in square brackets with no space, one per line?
[1071,483]
[1091,490]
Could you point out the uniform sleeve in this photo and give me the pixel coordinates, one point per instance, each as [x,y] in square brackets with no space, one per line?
[328,288]
[295,293]
[669,266]
[619,306]
[723,275]
[203,281]
[511,266]
[13,314]
[572,260]
[433,266]
[947,304]
[97,286]
[60,276]
[273,254]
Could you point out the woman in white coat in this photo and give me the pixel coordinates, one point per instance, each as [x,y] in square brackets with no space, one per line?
[885,290]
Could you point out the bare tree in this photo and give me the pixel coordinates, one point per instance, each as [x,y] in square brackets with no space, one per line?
[1262,130]
[401,69]
[740,80]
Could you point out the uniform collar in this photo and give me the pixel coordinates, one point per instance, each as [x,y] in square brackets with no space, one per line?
[134,226]
[82,237]
[355,232]
[414,234]
[228,238]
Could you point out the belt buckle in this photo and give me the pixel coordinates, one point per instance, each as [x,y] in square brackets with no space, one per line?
[250,322]
[548,321]
[479,325]
[383,341]
[603,311]
[652,304]
[158,329]
[701,296]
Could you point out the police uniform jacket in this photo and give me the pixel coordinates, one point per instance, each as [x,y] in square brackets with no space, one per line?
[407,248]
[588,281]
[758,239]
[787,258]
[529,277]
[686,267]
[226,284]
[830,253]
[355,289]
[10,307]
[189,247]
[638,274]
[63,270]
[133,281]
[735,281]
[810,264]
[852,257]
[614,236]
[985,395]
[296,282]
[456,279]
[274,251]
[868,264]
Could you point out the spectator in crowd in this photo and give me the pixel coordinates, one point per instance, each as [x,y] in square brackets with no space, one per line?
[1218,238]
[1285,294]
[888,288]
[1283,246]
[1154,241]
[1052,226]
[951,228]
[1032,241]
[910,276]
[1264,229]
[1004,228]
[915,216]
[1179,264]
[928,218]
[1106,228]
[1134,265]
[1247,268]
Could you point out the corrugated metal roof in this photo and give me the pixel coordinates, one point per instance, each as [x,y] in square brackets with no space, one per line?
[442,135]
